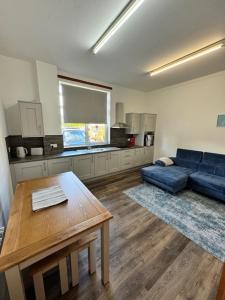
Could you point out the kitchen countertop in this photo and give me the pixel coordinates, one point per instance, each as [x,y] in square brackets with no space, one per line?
[68,153]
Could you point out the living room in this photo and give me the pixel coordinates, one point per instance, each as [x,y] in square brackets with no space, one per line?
[131,102]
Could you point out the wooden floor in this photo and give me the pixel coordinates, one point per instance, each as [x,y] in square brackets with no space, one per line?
[149,259]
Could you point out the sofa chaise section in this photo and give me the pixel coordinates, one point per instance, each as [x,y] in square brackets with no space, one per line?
[175,177]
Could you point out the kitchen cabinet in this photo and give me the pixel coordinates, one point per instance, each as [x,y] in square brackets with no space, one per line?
[114,161]
[59,165]
[25,118]
[126,159]
[133,121]
[30,170]
[31,119]
[147,122]
[83,166]
[139,156]
[148,155]
[101,164]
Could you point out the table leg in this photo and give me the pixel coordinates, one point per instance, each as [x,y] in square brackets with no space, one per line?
[15,283]
[105,252]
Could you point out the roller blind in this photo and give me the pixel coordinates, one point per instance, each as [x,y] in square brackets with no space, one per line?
[83,105]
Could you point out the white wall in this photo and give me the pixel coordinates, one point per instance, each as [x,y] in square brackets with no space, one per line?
[5,182]
[17,80]
[187,115]
[134,100]
[49,97]
[37,81]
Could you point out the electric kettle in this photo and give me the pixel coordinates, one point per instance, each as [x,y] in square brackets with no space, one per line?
[21,152]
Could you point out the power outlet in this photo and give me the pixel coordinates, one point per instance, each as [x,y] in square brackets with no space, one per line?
[53,146]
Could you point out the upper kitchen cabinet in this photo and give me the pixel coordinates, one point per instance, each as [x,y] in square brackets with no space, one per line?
[31,119]
[133,121]
[25,118]
[147,122]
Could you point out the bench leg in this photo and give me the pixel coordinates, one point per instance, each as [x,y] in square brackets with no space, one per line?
[105,252]
[63,272]
[92,258]
[15,283]
[74,268]
[39,286]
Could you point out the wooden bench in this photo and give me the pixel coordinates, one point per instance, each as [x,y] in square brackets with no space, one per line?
[60,259]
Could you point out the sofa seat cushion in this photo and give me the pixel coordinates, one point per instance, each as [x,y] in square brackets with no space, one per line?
[172,176]
[209,181]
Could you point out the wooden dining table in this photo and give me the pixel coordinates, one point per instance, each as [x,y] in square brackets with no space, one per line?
[31,236]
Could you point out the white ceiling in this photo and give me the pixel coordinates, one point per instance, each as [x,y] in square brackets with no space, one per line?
[62,32]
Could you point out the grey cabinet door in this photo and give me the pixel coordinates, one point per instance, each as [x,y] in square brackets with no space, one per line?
[133,121]
[126,159]
[101,166]
[83,166]
[148,122]
[148,155]
[114,161]
[30,170]
[31,119]
[60,165]
[139,156]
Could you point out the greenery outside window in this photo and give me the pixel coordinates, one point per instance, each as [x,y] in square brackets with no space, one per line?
[80,134]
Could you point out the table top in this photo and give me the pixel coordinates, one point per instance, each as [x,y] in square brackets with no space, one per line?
[29,233]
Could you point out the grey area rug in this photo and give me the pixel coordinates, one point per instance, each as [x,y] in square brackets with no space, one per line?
[199,218]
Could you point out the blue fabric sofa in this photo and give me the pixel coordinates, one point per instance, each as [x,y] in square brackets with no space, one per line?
[175,177]
[210,177]
[202,172]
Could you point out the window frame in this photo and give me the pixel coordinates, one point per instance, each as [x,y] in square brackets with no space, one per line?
[107,125]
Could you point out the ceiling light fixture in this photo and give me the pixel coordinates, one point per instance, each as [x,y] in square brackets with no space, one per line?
[131,7]
[203,51]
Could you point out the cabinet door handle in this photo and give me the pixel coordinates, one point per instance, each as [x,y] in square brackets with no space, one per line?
[45,169]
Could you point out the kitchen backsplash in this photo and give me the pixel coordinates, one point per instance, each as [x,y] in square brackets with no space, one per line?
[118,137]
[14,141]
[53,139]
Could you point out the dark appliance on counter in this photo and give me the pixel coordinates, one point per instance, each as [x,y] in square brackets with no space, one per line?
[149,139]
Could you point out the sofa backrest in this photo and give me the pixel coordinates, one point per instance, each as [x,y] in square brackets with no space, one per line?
[192,155]
[213,158]
[188,158]
[213,163]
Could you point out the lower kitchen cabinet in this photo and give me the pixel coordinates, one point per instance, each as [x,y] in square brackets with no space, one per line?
[101,164]
[83,166]
[138,157]
[126,159]
[30,170]
[114,161]
[148,155]
[59,165]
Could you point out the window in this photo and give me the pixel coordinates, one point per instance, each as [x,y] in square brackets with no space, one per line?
[79,134]
[84,115]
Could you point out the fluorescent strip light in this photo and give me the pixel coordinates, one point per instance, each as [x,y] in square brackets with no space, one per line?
[117,23]
[186,58]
